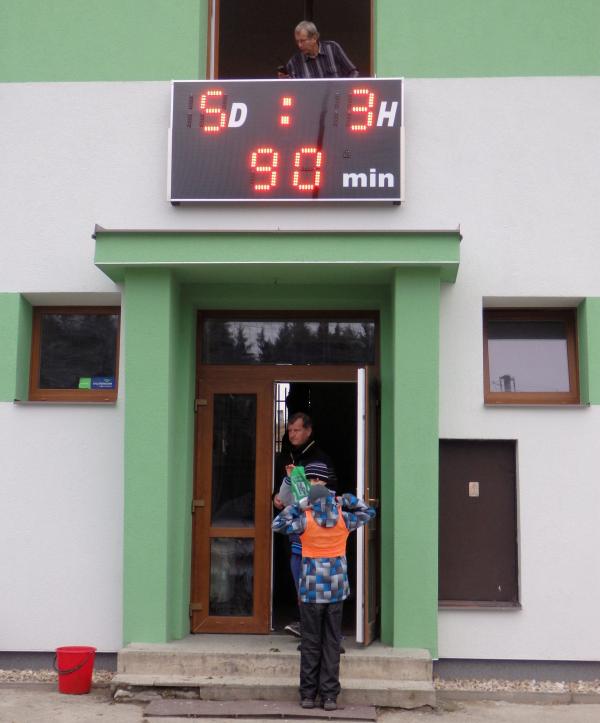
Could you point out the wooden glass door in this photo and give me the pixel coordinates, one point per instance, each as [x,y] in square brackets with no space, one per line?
[231,506]
[231,558]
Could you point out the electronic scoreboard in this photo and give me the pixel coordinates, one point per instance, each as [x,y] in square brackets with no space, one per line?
[286,140]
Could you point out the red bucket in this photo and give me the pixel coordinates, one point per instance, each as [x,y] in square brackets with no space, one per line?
[74,664]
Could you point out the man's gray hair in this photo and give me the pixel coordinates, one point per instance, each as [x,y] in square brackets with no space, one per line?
[308,27]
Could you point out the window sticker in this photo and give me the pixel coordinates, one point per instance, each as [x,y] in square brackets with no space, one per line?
[85,382]
[102,383]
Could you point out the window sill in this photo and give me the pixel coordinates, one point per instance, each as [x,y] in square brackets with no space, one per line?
[65,402]
[538,405]
[477,605]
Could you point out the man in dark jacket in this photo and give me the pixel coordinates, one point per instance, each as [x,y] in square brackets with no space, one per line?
[302,450]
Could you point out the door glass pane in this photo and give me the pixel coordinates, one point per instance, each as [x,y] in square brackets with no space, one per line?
[301,341]
[231,576]
[528,356]
[233,460]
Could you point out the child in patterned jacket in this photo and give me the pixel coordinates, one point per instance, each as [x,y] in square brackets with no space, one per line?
[323,522]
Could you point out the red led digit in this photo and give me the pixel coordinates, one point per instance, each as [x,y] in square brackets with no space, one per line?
[286,102]
[258,165]
[362,101]
[208,111]
[313,167]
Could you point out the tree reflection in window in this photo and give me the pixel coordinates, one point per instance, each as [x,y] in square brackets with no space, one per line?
[298,341]
[76,345]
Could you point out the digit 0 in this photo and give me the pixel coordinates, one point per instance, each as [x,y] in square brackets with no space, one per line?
[217,110]
[362,100]
[301,167]
[269,168]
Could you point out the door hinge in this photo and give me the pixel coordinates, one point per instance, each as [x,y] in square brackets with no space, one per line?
[200,403]
[197,503]
[194,607]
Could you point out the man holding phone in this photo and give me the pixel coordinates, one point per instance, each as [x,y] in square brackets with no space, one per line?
[316,58]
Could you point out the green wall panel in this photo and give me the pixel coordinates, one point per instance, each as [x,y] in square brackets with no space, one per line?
[15,347]
[412,518]
[149,466]
[588,324]
[465,38]
[82,40]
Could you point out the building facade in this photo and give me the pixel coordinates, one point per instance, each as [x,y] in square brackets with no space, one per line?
[487,535]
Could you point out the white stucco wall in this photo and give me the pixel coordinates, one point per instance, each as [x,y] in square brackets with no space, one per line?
[515,162]
[61,526]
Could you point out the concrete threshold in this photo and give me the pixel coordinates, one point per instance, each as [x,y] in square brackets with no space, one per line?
[266,668]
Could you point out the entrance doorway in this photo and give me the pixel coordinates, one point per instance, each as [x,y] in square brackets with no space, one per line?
[240,579]
[332,408]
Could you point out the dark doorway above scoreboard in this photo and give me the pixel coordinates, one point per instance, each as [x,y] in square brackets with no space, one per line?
[251,38]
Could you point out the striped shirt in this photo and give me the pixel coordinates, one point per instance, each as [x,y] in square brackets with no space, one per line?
[330,62]
[324,579]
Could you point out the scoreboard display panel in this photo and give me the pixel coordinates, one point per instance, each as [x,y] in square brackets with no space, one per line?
[286,140]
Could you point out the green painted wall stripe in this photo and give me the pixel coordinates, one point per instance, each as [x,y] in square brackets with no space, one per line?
[114,40]
[588,324]
[15,341]
[183,385]
[477,38]
[87,40]
[413,516]
[149,313]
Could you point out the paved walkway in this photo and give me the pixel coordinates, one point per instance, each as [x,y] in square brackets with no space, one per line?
[39,703]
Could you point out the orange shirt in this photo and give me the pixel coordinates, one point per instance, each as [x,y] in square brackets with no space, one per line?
[320,541]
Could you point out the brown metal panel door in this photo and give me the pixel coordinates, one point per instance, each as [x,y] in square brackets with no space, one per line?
[231,527]
[478,523]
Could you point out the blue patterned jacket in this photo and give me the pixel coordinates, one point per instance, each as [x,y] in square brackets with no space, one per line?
[324,579]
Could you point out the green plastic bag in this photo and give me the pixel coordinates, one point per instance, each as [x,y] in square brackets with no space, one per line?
[300,485]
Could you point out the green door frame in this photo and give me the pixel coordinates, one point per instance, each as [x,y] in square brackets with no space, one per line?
[169,276]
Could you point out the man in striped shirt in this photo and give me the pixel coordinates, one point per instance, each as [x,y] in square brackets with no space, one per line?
[317,58]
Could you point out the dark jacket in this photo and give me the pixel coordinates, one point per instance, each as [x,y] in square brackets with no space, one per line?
[300,457]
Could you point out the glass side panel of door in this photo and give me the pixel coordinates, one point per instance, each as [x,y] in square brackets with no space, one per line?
[233,460]
[231,576]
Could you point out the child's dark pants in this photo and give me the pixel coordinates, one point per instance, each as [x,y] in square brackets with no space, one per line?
[320,649]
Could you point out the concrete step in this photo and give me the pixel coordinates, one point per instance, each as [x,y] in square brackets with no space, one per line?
[267,667]
[355,691]
[280,659]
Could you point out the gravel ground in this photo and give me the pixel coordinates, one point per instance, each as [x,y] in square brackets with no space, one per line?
[484,685]
[525,686]
[47,676]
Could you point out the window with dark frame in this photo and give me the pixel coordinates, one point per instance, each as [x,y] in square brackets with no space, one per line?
[74,354]
[252,38]
[530,356]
